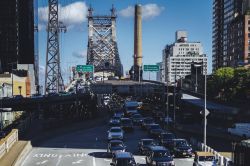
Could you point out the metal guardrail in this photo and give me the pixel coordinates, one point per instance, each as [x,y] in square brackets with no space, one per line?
[7,142]
[222,161]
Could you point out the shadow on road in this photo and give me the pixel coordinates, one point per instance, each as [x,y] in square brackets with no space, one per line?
[100,155]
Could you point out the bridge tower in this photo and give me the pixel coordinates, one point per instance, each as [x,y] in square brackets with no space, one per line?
[102,46]
[53,76]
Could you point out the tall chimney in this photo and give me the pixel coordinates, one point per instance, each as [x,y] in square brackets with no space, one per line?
[138,36]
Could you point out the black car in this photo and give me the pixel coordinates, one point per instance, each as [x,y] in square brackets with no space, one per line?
[159,156]
[115,121]
[137,119]
[165,139]
[127,124]
[116,146]
[181,148]
[144,144]
[147,121]
[155,130]
[123,159]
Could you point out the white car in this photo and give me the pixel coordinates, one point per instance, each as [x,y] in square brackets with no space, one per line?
[204,159]
[115,133]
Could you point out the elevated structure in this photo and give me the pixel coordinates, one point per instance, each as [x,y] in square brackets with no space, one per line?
[53,77]
[102,45]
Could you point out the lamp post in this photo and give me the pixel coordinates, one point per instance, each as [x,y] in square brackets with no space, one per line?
[205,111]
[20,90]
[196,82]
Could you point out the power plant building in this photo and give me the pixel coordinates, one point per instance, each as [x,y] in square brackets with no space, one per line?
[178,57]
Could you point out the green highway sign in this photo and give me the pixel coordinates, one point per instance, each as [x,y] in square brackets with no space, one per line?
[151,68]
[85,68]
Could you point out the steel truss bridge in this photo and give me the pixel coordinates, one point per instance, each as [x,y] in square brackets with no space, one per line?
[102,46]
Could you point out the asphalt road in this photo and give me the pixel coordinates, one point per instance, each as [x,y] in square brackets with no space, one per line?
[88,148]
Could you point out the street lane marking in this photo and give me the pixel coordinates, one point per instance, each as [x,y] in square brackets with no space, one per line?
[77,162]
[107,160]
[42,162]
[94,164]
[59,160]
[53,155]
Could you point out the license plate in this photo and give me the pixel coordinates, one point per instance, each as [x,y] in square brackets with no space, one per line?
[184,153]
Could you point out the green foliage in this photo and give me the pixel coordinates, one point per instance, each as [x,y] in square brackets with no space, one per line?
[228,83]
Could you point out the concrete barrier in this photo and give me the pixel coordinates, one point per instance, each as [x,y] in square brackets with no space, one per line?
[222,161]
[7,142]
[23,154]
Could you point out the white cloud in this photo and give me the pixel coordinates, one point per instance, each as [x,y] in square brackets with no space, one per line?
[71,15]
[149,11]
[80,54]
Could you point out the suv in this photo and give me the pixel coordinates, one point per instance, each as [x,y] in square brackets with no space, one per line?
[181,148]
[144,144]
[147,121]
[137,119]
[155,130]
[123,159]
[159,155]
[127,124]
[115,133]
[116,146]
[204,159]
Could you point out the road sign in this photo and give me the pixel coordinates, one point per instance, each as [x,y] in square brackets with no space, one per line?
[206,112]
[85,68]
[151,68]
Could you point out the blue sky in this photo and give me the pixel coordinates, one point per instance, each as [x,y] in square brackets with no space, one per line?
[161,19]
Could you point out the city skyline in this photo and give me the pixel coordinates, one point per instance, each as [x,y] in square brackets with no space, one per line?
[160,21]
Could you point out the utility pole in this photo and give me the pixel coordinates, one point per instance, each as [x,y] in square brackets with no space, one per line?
[174,95]
[205,111]
[53,76]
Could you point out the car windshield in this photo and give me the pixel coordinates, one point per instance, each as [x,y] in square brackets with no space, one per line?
[182,143]
[148,142]
[125,162]
[116,118]
[206,158]
[116,144]
[168,136]
[162,153]
[155,127]
[115,130]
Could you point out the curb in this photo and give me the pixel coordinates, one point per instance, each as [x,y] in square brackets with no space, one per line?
[23,154]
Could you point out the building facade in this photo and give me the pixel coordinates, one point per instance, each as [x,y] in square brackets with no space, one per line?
[16,33]
[159,74]
[231,33]
[178,57]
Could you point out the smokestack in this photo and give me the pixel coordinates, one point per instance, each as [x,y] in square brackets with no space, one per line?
[138,36]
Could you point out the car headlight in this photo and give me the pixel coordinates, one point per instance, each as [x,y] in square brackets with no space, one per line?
[190,150]
[154,162]
[172,163]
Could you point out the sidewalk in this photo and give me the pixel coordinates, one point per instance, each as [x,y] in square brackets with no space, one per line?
[10,157]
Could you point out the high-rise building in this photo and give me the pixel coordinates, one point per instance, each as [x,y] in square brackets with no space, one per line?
[16,33]
[179,56]
[231,33]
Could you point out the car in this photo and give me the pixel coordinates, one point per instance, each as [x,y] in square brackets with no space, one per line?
[137,119]
[147,121]
[115,121]
[144,144]
[116,146]
[155,130]
[62,93]
[123,159]
[129,113]
[119,114]
[181,148]
[127,124]
[158,156]
[204,159]
[165,139]
[115,133]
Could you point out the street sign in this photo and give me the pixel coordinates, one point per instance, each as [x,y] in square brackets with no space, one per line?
[85,68]
[151,68]
[206,112]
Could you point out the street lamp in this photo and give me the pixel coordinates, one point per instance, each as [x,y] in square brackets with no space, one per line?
[196,82]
